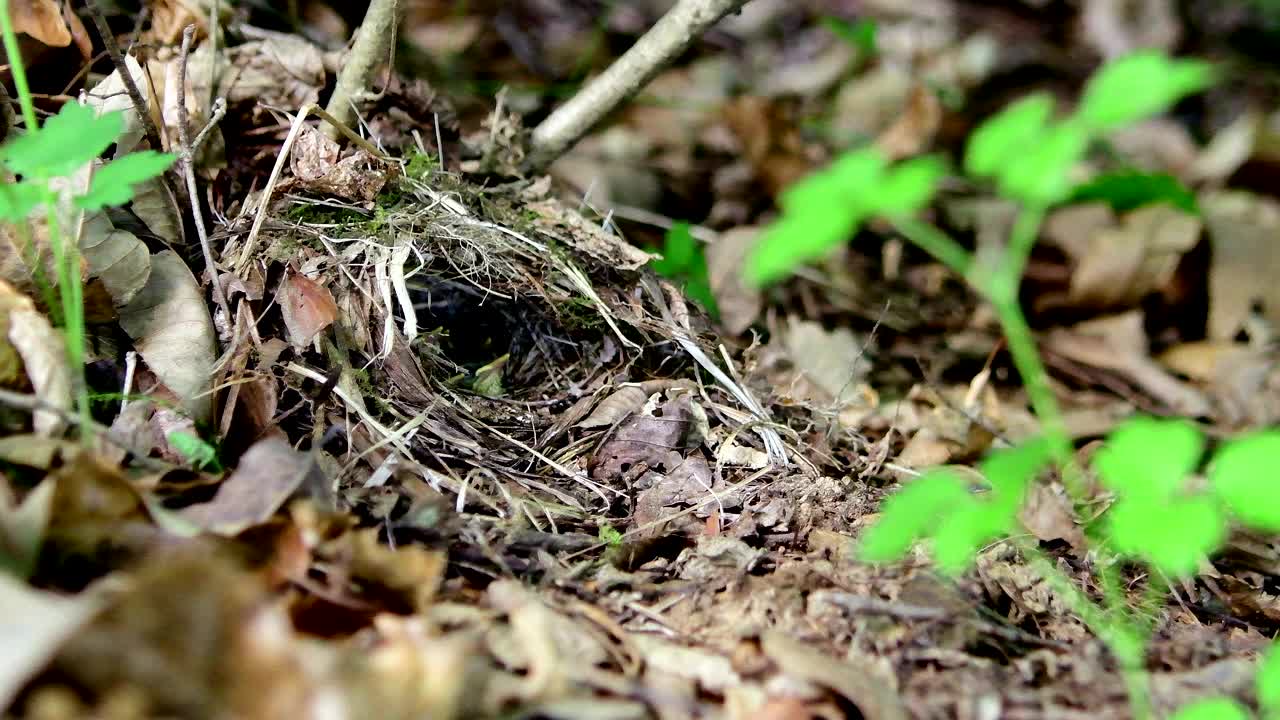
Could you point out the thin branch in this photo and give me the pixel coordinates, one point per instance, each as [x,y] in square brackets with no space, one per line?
[33,403]
[187,158]
[117,58]
[374,39]
[656,49]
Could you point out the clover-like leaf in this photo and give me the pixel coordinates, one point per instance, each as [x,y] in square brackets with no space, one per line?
[66,141]
[1171,536]
[17,199]
[1138,86]
[910,513]
[1042,174]
[820,213]
[1149,458]
[1007,134]
[965,530]
[1219,708]
[907,188]
[113,183]
[1244,473]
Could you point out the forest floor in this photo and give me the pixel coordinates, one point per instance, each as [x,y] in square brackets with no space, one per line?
[435,440]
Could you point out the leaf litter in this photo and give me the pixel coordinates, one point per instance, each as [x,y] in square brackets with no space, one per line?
[480,461]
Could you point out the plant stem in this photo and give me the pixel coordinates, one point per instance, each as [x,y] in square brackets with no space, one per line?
[66,255]
[1122,636]
[17,69]
[937,243]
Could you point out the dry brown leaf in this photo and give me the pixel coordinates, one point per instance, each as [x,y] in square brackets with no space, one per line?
[832,361]
[914,130]
[1118,343]
[117,257]
[307,306]
[616,406]
[1117,27]
[738,301]
[268,474]
[171,328]
[1048,514]
[1246,260]
[1119,265]
[1239,377]
[42,20]
[34,625]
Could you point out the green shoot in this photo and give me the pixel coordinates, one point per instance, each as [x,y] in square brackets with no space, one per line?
[200,453]
[1029,156]
[66,144]
[684,261]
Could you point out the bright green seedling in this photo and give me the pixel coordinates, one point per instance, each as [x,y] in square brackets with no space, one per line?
[821,212]
[939,507]
[860,35]
[684,261]
[30,165]
[66,143]
[1127,190]
[199,452]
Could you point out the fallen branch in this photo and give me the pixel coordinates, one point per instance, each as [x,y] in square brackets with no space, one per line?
[374,40]
[656,49]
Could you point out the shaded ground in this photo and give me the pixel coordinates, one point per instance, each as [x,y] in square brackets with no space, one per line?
[473,457]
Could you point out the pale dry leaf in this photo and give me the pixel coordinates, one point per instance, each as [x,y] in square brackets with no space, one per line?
[1048,514]
[23,526]
[616,406]
[116,257]
[738,301]
[1119,343]
[268,474]
[1118,27]
[1124,264]
[1246,260]
[154,203]
[44,357]
[914,130]
[110,95]
[1230,148]
[171,328]
[41,19]
[832,360]
[869,104]
[34,625]
[307,306]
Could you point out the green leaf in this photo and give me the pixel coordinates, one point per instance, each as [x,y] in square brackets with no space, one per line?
[683,260]
[1007,134]
[1149,459]
[679,253]
[17,200]
[1138,86]
[195,449]
[908,187]
[910,513]
[1171,536]
[963,532]
[1011,470]
[1267,681]
[68,140]
[1219,708]
[1041,174]
[1129,190]
[1243,474]
[861,35]
[820,213]
[113,183]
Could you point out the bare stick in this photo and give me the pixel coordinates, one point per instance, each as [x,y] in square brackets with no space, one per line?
[374,40]
[33,403]
[187,155]
[664,42]
[117,59]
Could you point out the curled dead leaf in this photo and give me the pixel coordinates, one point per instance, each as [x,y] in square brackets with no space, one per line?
[307,306]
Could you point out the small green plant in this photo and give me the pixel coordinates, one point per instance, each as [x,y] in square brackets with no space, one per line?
[683,261]
[32,164]
[199,452]
[609,535]
[1157,518]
